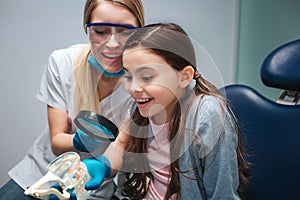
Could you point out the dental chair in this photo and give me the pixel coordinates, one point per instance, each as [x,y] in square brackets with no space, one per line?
[272,128]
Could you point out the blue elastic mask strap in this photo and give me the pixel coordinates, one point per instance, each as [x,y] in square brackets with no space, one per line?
[98,67]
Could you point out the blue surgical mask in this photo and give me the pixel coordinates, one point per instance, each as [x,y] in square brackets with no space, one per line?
[92,61]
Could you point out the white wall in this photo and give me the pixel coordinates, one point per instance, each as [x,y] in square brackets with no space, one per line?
[211,23]
[31,29]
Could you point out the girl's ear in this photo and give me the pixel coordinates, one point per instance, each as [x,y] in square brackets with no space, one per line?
[187,74]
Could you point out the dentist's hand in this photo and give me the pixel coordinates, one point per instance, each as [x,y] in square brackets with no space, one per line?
[99,168]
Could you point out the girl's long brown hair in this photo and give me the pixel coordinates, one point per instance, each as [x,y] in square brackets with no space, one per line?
[172,43]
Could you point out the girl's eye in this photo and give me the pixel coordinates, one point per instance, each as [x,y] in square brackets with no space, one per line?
[128,77]
[147,78]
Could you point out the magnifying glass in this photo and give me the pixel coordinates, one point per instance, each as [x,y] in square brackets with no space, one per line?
[96,125]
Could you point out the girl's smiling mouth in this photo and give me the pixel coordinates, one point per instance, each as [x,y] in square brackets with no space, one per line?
[142,102]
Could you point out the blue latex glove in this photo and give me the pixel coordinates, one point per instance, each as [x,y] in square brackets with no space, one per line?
[54,197]
[85,143]
[99,168]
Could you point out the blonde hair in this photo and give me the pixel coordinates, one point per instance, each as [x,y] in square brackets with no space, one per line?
[86,96]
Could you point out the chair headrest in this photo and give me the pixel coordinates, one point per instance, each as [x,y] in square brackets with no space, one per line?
[281,68]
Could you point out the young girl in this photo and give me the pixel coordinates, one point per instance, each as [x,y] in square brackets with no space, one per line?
[183,141]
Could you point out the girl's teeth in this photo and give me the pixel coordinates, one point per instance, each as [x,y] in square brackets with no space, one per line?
[142,100]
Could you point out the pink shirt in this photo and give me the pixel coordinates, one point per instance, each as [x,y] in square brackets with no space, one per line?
[158,157]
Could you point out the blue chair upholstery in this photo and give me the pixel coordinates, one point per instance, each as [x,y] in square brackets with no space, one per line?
[272,129]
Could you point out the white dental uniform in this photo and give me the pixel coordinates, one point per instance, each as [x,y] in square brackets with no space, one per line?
[56,90]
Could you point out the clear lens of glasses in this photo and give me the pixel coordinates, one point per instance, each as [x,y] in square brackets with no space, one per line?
[102,32]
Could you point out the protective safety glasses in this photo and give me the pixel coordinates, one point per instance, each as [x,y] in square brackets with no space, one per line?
[102,32]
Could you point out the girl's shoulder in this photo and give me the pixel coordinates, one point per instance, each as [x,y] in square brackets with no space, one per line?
[207,100]
[208,120]
[207,113]
[207,105]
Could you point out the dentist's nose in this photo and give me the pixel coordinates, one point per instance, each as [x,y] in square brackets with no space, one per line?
[112,42]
